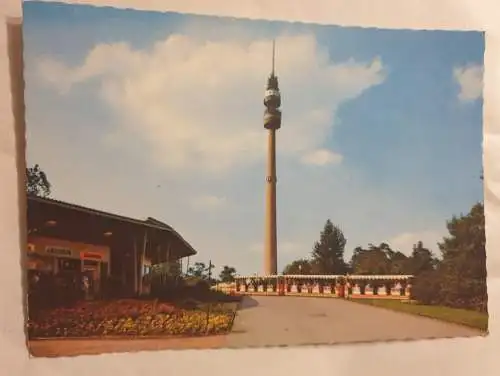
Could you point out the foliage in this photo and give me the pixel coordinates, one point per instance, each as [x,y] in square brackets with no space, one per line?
[373,260]
[37,183]
[399,262]
[382,259]
[421,261]
[459,279]
[300,266]
[189,288]
[129,318]
[167,287]
[426,287]
[463,268]
[227,274]
[166,270]
[328,252]
[200,270]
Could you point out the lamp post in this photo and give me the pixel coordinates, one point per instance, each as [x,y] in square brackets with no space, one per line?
[210,287]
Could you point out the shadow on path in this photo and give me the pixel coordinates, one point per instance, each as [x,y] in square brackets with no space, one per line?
[247,302]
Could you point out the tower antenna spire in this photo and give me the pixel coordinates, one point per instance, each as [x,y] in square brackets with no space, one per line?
[274,51]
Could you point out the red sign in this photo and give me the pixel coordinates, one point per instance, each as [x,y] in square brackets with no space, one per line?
[90,255]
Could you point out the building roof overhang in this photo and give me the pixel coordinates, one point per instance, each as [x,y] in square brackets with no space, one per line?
[49,217]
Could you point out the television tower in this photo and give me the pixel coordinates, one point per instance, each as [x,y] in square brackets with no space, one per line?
[272,122]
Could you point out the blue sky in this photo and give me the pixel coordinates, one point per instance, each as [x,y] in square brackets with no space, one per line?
[151,114]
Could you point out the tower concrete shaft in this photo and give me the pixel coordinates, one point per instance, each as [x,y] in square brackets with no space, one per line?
[272,122]
[270,242]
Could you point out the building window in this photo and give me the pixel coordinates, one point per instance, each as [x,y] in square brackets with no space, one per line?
[90,263]
[69,265]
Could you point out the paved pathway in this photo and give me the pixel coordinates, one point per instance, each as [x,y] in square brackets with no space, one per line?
[281,321]
[276,321]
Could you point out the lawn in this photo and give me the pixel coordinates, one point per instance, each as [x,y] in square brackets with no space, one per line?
[473,319]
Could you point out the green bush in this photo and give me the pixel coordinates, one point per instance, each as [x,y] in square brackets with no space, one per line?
[426,289]
[190,289]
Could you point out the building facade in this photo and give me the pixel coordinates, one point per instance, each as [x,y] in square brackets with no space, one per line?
[107,253]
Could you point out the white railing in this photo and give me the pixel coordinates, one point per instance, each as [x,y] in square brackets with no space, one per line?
[348,286]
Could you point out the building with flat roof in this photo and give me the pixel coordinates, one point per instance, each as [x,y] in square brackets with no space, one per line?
[79,242]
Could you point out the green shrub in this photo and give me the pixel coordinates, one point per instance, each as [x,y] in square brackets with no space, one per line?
[426,289]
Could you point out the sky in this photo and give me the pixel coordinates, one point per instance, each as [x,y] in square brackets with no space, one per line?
[160,114]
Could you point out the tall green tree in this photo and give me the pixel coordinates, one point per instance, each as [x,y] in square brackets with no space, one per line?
[328,252]
[463,265]
[37,183]
[459,278]
[300,266]
[227,274]
[421,260]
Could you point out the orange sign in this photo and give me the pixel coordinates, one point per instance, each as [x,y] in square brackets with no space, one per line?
[90,255]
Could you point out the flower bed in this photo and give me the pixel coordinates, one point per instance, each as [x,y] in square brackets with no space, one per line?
[129,318]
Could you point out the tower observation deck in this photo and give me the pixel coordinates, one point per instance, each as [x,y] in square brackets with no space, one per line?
[272,101]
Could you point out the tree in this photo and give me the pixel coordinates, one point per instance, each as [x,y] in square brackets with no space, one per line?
[300,266]
[373,260]
[328,252]
[37,183]
[227,274]
[398,263]
[426,288]
[200,270]
[421,260]
[459,279]
[463,265]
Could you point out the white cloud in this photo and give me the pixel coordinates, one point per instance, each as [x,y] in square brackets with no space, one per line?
[321,157]
[404,242]
[208,202]
[470,80]
[197,105]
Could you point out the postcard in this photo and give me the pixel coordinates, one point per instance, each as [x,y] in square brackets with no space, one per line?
[197,182]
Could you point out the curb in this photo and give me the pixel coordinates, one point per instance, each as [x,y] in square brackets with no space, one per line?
[124,337]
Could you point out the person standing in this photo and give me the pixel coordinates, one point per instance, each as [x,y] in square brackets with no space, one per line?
[348,290]
[85,287]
